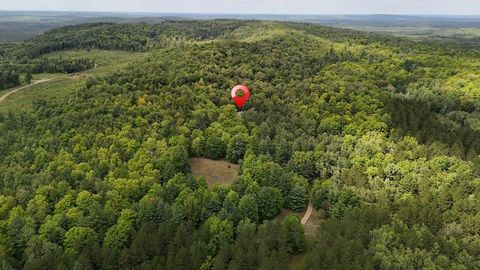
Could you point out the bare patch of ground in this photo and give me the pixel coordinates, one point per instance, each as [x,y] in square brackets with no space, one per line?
[307,213]
[219,172]
[313,223]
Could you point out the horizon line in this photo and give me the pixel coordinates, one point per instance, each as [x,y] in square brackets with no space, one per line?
[247,14]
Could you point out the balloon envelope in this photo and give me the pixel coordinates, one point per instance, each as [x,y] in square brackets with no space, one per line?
[240,101]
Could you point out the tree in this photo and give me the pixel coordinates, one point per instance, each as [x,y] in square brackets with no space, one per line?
[347,200]
[230,210]
[270,201]
[304,164]
[214,145]
[52,229]
[236,148]
[323,195]
[295,234]
[82,243]
[248,208]
[244,251]
[117,238]
[221,234]
[37,208]
[297,198]
[261,170]
[28,77]
[198,143]
[42,254]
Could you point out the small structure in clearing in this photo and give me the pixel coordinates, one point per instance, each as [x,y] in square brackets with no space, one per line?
[215,171]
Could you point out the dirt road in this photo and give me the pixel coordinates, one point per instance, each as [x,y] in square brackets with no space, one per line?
[308,213]
[26,86]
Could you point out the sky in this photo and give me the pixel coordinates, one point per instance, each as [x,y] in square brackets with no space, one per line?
[443,7]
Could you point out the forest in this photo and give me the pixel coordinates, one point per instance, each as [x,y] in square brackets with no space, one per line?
[380,132]
[25,57]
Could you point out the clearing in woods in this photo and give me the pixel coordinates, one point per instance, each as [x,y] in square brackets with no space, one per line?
[23,87]
[64,85]
[215,171]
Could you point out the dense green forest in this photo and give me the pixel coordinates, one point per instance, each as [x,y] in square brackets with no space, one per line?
[25,57]
[381,132]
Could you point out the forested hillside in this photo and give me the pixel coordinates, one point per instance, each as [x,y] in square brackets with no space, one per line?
[26,57]
[381,133]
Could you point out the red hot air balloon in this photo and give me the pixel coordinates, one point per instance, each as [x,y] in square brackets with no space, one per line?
[240,99]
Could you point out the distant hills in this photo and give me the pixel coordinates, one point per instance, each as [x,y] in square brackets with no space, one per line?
[22,25]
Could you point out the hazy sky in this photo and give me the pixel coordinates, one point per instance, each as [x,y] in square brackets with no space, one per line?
[255,6]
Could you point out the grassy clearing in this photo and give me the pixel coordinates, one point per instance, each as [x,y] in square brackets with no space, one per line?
[101,57]
[216,172]
[106,61]
[57,88]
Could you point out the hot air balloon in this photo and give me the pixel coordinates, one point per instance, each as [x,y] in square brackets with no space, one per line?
[240,95]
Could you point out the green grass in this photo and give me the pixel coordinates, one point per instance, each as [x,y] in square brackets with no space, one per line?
[64,85]
[41,76]
[57,88]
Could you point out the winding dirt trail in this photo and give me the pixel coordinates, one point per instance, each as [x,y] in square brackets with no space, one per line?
[26,86]
[308,213]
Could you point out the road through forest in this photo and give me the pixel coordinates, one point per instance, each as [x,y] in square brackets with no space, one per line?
[26,86]
[308,213]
